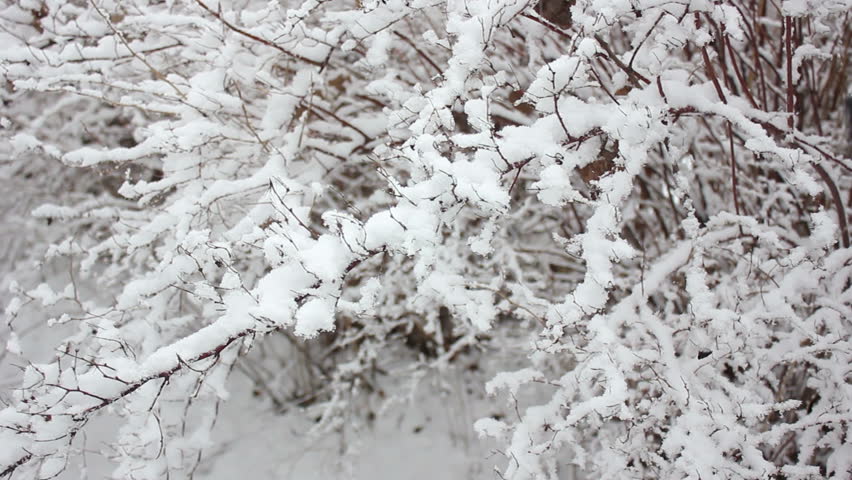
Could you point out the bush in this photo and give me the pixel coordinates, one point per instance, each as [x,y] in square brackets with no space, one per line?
[642,202]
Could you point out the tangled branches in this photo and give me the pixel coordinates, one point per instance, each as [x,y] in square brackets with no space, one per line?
[647,200]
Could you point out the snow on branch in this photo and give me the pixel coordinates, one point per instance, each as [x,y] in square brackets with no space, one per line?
[626,221]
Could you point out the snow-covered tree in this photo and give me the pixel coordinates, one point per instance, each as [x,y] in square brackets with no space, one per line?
[642,202]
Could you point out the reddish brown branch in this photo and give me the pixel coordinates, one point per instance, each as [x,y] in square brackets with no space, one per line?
[838,203]
[788,47]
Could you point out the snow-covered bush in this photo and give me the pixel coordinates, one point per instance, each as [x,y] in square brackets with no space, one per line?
[643,201]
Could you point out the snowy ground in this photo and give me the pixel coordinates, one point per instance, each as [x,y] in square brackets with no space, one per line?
[425,436]
[433,438]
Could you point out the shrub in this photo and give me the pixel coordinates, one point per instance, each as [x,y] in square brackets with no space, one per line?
[643,202]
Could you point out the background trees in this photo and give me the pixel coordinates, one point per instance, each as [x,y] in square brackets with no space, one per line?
[639,207]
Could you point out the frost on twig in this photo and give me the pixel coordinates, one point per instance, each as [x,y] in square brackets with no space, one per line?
[641,205]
